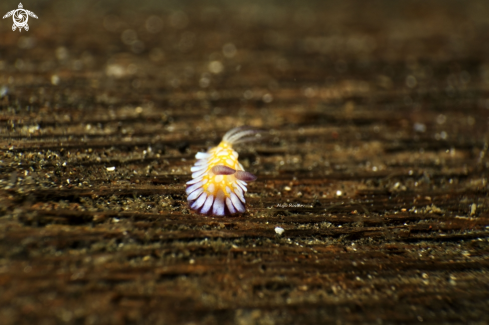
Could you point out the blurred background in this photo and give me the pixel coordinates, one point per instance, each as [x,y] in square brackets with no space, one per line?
[377,119]
[152,48]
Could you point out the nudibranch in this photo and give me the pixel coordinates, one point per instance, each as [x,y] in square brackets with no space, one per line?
[218,180]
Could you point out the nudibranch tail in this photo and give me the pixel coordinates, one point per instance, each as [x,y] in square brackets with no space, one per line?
[234,131]
[218,182]
[240,135]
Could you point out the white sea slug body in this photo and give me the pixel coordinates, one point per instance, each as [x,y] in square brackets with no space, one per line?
[218,180]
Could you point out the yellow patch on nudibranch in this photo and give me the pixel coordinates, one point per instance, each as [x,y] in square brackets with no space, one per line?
[222,155]
[218,179]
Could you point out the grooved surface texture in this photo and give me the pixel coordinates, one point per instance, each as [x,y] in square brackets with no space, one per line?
[374,162]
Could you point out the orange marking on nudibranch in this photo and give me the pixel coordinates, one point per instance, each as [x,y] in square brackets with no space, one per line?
[221,193]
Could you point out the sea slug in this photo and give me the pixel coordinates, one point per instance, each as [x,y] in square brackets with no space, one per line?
[218,180]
